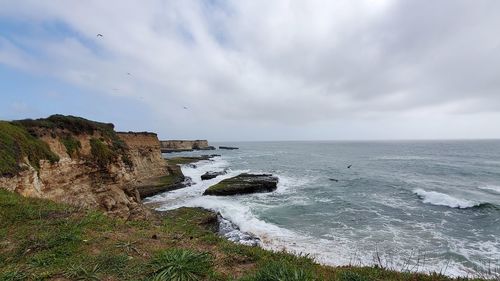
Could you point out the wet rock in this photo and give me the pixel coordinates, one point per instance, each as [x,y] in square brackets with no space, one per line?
[211,175]
[228,147]
[207,148]
[244,184]
[233,233]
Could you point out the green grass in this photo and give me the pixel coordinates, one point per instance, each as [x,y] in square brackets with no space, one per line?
[181,265]
[42,240]
[79,272]
[281,270]
[16,144]
[351,276]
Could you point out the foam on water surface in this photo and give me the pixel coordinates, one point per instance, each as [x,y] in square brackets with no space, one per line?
[371,209]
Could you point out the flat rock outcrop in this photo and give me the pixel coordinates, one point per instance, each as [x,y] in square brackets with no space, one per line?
[168,146]
[244,184]
[172,181]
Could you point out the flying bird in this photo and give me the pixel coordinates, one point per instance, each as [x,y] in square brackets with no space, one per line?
[185,107]
[99,35]
[128,73]
[348,167]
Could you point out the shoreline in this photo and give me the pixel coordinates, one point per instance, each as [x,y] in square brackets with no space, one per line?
[296,245]
[79,197]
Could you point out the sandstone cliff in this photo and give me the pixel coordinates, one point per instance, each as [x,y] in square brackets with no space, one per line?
[79,162]
[184,145]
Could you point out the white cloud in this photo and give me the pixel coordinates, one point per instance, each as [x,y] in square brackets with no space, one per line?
[275,64]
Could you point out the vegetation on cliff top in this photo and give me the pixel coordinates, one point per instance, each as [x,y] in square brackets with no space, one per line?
[16,144]
[74,124]
[19,139]
[42,240]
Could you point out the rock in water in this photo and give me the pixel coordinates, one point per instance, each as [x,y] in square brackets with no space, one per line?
[211,175]
[244,184]
[228,147]
[233,233]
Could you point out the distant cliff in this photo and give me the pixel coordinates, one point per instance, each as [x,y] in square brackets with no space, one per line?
[77,161]
[184,145]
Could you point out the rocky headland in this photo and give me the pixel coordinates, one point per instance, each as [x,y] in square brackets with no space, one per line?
[168,146]
[82,163]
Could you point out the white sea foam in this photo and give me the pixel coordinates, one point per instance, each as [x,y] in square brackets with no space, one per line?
[494,188]
[334,249]
[441,199]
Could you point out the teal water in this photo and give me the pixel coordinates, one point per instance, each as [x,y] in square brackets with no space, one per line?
[418,206]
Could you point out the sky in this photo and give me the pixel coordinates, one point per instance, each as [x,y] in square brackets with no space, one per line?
[257,70]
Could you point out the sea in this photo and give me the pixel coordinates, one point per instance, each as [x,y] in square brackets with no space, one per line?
[416,206]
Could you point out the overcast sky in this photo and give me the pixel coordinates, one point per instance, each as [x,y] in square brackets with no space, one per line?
[257,70]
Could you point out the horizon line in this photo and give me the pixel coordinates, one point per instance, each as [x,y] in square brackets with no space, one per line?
[362,140]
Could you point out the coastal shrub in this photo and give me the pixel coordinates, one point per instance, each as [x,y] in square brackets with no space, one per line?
[74,124]
[72,145]
[181,265]
[283,270]
[16,144]
[62,125]
[101,153]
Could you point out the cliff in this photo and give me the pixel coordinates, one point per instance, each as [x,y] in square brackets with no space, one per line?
[144,152]
[79,162]
[184,145]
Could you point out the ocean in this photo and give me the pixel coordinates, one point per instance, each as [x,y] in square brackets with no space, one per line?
[426,206]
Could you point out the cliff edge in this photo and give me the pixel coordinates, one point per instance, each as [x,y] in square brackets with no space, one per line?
[79,162]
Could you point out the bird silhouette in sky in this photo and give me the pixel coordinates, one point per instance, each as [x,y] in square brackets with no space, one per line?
[348,167]
[99,35]
[185,107]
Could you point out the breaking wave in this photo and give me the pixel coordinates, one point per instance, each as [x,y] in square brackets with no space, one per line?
[441,199]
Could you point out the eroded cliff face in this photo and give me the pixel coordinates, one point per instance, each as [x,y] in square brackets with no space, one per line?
[94,175]
[183,145]
[144,152]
